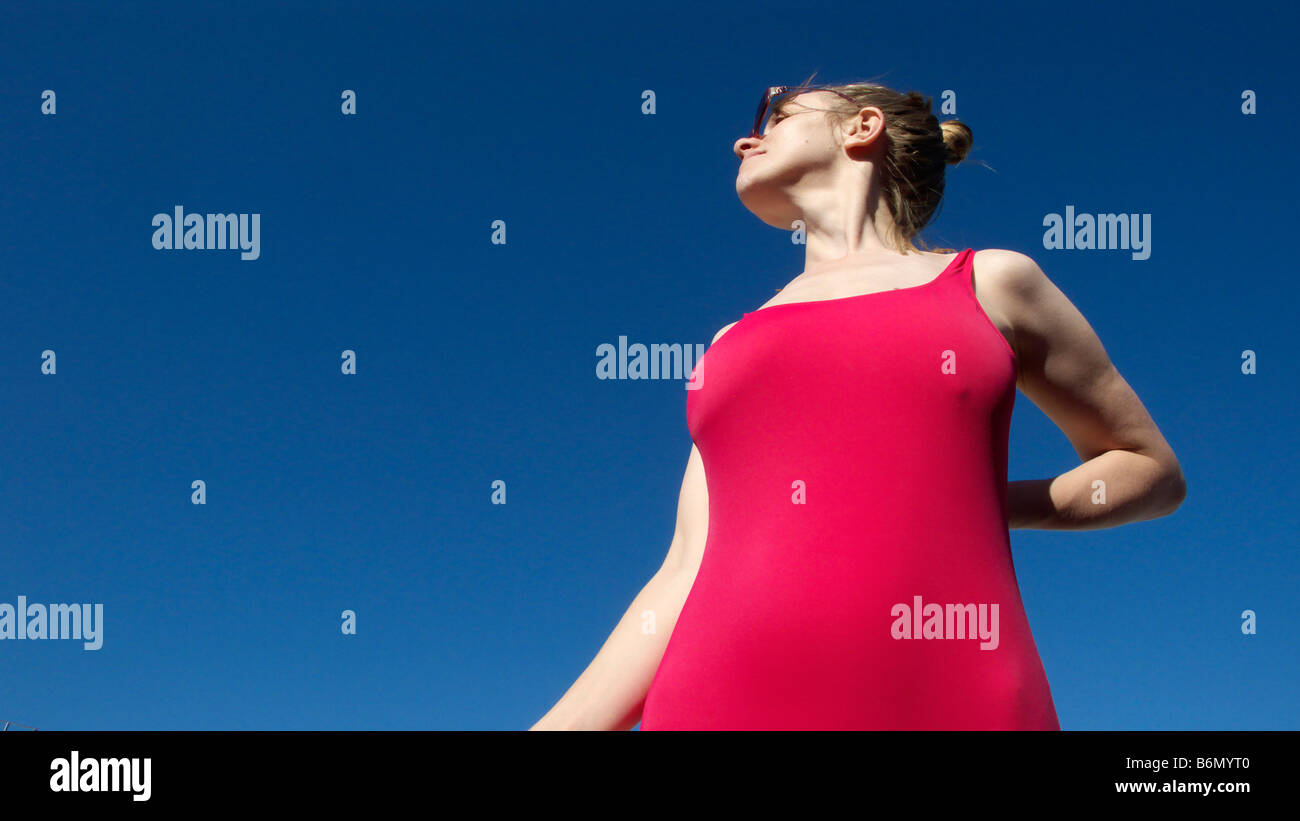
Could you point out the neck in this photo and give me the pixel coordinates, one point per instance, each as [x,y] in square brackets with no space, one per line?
[846,224]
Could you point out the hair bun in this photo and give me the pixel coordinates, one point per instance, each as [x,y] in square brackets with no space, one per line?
[957,138]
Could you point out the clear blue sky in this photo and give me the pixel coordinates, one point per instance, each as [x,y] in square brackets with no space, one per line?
[476,361]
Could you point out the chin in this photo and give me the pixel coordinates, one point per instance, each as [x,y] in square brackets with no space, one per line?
[770,210]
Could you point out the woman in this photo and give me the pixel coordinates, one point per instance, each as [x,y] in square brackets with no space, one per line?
[848,565]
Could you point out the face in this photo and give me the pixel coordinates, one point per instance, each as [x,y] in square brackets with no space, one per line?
[799,151]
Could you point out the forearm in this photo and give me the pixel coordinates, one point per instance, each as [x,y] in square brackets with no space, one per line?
[610,693]
[1112,488]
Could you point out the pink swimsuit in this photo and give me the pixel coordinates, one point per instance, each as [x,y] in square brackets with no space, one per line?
[857,572]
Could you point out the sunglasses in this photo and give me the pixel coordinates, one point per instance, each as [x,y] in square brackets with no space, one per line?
[776,95]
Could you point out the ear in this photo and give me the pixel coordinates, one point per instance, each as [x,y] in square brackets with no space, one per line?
[870,121]
[864,129]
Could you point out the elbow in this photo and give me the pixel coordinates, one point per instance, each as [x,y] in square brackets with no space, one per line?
[1174,490]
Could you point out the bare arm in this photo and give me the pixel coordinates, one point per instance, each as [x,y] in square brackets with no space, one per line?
[610,693]
[1128,472]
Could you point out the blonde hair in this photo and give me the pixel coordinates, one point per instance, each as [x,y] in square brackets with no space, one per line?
[918,148]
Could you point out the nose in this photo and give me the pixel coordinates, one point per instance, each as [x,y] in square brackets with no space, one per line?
[745,144]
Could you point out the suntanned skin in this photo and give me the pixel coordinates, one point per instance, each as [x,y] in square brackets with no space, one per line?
[804,168]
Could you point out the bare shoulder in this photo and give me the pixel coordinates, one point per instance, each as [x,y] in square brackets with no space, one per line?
[994,273]
[1013,290]
[1057,350]
[1002,270]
